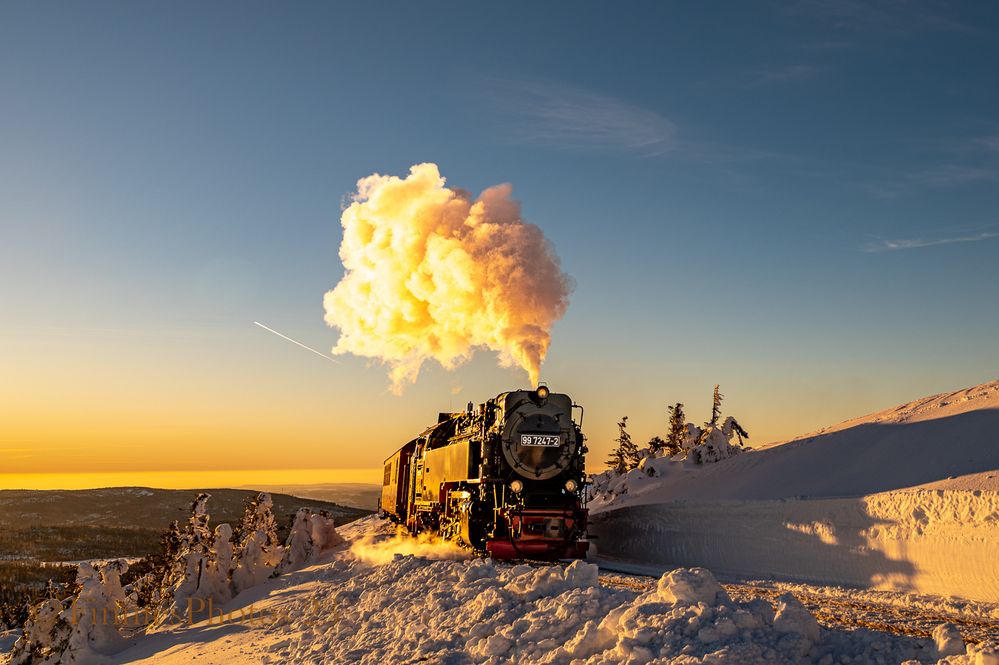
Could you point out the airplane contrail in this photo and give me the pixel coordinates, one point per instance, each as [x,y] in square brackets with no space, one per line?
[307,348]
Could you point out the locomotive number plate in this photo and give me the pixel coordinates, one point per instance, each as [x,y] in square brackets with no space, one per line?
[546,440]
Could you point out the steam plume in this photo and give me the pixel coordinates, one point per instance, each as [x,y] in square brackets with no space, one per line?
[380,549]
[431,273]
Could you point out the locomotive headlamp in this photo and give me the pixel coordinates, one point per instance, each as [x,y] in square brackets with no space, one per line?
[517,486]
[542,392]
[570,485]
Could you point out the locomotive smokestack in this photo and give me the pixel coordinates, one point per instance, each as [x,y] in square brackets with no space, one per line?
[431,273]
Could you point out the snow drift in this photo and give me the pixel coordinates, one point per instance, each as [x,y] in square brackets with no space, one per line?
[946,435]
[925,541]
[838,506]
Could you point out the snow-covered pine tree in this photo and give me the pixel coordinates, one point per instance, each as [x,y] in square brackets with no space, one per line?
[81,629]
[47,627]
[300,545]
[676,430]
[632,453]
[171,543]
[311,535]
[187,567]
[714,443]
[41,634]
[735,427]
[218,582]
[626,455]
[194,550]
[95,612]
[715,406]
[257,551]
[691,437]
[656,446]
[324,533]
[616,461]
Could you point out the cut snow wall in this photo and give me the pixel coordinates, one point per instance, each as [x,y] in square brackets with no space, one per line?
[936,542]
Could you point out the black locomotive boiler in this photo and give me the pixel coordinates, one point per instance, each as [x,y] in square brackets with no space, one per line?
[504,478]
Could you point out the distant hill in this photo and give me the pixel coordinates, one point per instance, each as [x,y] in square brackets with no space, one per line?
[142,507]
[357,495]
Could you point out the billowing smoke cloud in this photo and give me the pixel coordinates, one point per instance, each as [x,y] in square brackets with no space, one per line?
[431,273]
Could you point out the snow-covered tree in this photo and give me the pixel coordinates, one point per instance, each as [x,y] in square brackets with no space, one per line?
[691,437]
[300,545]
[324,533]
[735,427]
[218,582]
[311,535]
[198,572]
[715,443]
[715,407]
[676,430]
[44,634]
[95,613]
[625,456]
[186,568]
[656,446]
[258,551]
[80,629]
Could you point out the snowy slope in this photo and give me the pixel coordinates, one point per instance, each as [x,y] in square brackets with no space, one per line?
[905,499]
[371,603]
[944,436]
[931,542]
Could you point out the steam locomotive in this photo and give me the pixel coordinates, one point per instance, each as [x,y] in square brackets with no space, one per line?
[504,478]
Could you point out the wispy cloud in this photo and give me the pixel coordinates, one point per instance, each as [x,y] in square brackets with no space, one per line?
[915,243]
[567,117]
[988,143]
[949,175]
[883,183]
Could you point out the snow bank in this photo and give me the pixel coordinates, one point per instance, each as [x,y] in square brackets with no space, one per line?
[411,609]
[925,605]
[904,499]
[929,541]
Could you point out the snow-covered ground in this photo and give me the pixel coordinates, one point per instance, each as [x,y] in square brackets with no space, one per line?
[844,608]
[374,601]
[906,499]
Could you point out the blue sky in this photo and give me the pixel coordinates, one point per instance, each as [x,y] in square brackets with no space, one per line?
[795,200]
